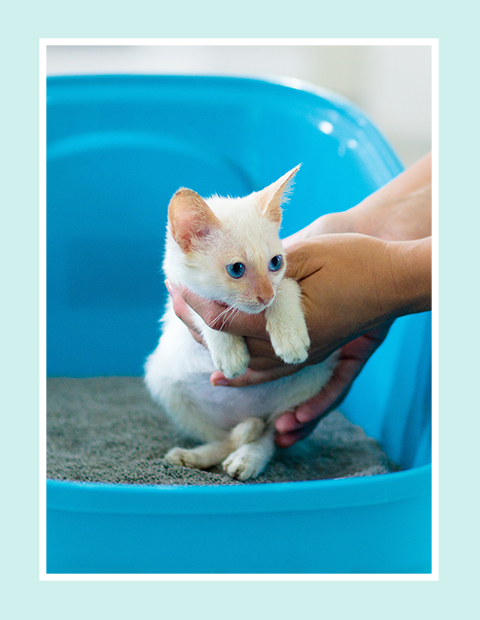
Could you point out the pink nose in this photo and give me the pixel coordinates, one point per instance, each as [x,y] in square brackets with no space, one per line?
[264,300]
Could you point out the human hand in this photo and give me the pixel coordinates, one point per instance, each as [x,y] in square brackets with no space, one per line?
[354,284]
[398,211]
[348,290]
[340,276]
[294,425]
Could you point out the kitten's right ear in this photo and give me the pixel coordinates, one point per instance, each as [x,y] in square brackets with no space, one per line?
[190,218]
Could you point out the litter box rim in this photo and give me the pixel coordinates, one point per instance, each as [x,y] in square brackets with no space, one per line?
[99,497]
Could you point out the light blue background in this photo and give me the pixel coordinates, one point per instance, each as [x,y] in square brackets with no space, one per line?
[454,595]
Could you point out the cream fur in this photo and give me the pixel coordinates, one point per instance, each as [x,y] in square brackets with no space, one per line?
[236,423]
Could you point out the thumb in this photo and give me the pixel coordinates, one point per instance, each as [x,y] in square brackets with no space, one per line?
[305,258]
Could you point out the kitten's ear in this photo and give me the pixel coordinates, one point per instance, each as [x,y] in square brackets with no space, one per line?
[190,218]
[271,197]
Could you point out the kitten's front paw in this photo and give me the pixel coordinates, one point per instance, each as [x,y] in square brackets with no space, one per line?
[291,345]
[233,359]
[286,324]
[244,463]
[181,456]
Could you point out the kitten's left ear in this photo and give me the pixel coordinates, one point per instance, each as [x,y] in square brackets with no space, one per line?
[271,197]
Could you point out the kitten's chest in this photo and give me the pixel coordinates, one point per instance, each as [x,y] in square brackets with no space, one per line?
[223,407]
[185,376]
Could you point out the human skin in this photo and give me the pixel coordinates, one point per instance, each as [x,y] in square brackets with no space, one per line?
[358,270]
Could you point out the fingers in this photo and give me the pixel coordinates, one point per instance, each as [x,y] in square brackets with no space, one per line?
[263,350]
[197,337]
[288,439]
[289,430]
[287,422]
[332,394]
[252,377]
[217,315]
[182,310]
[262,355]
[292,426]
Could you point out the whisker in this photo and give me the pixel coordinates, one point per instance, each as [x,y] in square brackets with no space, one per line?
[226,315]
[223,318]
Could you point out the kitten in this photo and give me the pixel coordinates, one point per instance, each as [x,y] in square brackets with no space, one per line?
[228,249]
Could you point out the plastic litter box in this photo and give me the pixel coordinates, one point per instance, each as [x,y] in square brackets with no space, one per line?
[117,148]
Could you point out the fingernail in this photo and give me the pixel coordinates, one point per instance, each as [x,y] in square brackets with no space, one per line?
[280,424]
[216,382]
[169,288]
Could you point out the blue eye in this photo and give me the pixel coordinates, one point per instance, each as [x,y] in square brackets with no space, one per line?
[276,263]
[236,270]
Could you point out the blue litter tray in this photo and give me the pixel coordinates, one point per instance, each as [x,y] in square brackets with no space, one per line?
[117,149]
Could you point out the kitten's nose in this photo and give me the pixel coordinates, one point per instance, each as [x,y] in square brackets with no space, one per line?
[264,300]
[263,291]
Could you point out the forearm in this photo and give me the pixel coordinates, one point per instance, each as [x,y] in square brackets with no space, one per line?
[400,210]
[396,219]
[412,180]
[408,272]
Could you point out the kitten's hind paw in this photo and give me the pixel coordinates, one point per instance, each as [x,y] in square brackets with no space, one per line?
[244,463]
[247,431]
[181,456]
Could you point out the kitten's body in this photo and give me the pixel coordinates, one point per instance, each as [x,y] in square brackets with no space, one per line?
[237,423]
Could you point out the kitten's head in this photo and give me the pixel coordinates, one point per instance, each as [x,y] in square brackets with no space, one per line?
[228,249]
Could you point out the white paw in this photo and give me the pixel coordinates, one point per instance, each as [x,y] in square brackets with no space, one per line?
[233,359]
[286,324]
[181,456]
[247,431]
[292,344]
[243,463]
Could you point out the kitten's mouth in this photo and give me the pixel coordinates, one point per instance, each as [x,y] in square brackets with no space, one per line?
[252,308]
[256,308]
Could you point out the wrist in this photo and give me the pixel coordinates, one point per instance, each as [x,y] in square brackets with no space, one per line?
[330,223]
[410,273]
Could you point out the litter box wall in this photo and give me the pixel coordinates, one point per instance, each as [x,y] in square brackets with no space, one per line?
[117,149]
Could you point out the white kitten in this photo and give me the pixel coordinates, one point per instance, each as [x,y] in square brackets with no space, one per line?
[228,249]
